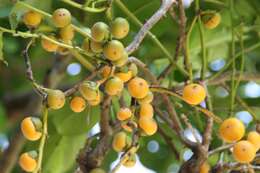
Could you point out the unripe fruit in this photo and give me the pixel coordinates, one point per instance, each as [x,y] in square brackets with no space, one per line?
[211,20]
[194,94]
[106,71]
[96,101]
[99,31]
[147,99]
[119,28]
[244,152]
[138,88]
[48,45]
[77,104]
[96,47]
[133,68]
[114,50]
[89,90]
[61,17]
[31,127]
[67,33]
[232,130]
[122,61]
[146,110]
[119,141]
[28,162]
[97,170]
[55,99]
[114,86]
[124,114]
[130,162]
[254,138]
[204,168]
[86,46]
[148,125]
[32,19]
[124,76]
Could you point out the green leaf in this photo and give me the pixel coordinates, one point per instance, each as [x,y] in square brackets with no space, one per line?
[1,49]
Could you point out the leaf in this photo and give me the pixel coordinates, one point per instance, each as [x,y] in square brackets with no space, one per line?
[1,49]
[16,15]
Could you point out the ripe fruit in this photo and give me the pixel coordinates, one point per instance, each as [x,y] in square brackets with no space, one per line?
[61,17]
[119,28]
[147,99]
[96,47]
[99,31]
[146,110]
[55,99]
[124,114]
[122,61]
[77,104]
[27,161]
[48,45]
[254,138]
[194,94]
[67,33]
[89,90]
[124,76]
[31,127]
[106,71]
[232,130]
[32,19]
[130,162]
[211,20]
[148,125]
[204,168]
[138,88]
[97,170]
[114,50]
[114,86]
[244,152]
[119,141]
[129,126]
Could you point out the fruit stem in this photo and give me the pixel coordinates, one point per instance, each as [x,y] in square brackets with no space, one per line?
[84,8]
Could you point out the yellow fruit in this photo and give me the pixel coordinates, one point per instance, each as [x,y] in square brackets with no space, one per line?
[130,162]
[67,33]
[86,46]
[146,110]
[96,101]
[114,50]
[244,152]
[61,17]
[232,130]
[106,71]
[138,88]
[31,127]
[148,125]
[114,86]
[124,76]
[119,141]
[129,126]
[211,20]
[133,68]
[254,138]
[147,99]
[194,94]
[77,104]
[89,90]
[28,162]
[48,45]
[204,168]
[32,19]
[124,114]
[96,47]
[119,28]
[122,61]
[55,99]
[99,31]
[97,170]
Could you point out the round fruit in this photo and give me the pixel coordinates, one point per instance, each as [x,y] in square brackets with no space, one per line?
[204,168]
[211,20]
[48,45]
[133,68]
[147,99]
[99,31]
[114,86]
[124,114]
[114,50]
[146,110]
[106,71]
[129,126]
[32,19]
[194,94]
[61,17]
[31,127]
[67,33]
[148,125]
[130,162]
[124,76]
[96,101]
[119,28]
[28,162]
[138,88]
[96,47]
[97,170]
[119,141]
[254,138]
[55,99]
[232,130]
[77,104]
[244,152]
[122,61]
[89,90]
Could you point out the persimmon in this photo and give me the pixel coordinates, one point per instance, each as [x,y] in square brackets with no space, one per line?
[97,170]
[67,33]
[31,128]
[48,45]
[122,61]
[148,125]
[96,47]
[114,50]
[231,130]
[55,99]
[114,86]
[119,28]
[211,20]
[119,141]
[124,114]
[28,161]
[204,168]
[254,138]
[138,88]
[89,90]
[61,17]
[124,76]
[244,152]
[106,71]
[147,99]
[194,94]
[32,19]
[146,110]
[99,31]
[77,104]
[130,162]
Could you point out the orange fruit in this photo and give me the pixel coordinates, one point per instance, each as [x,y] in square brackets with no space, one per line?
[254,138]
[138,88]
[77,104]
[106,71]
[32,19]
[55,99]
[48,45]
[146,110]
[244,152]
[114,86]
[194,94]
[147,99]
[124,114]
[119,141]
[148,125]
[67,33]
[28,162]
[124,76]
[114,50]
[204,168]
[211,20]
[61,17]
[31,127]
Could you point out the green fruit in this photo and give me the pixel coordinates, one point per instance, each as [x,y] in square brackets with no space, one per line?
[119,28]
[55,99]
[114,86]
[99,32]
[97,170]
[133,68]
[89,90]
[122,61]
[61,17]
[114,50]
[96,47]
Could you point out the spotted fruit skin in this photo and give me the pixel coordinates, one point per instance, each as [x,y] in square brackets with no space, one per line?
[138,88]
[114,50]
[194,94]
[244,152]
[61,17]
[120,28]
